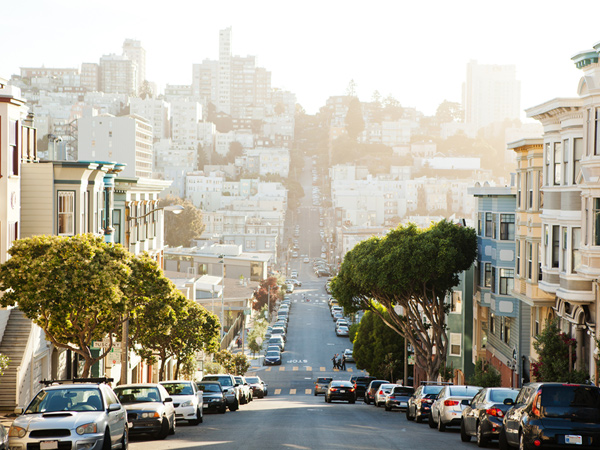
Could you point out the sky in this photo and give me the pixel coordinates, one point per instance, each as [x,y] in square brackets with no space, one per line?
[417,51]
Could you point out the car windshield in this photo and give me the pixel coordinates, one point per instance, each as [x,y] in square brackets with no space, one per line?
[225,381]
[209,387]
[252,380]
[499,395]
[272,353]
[463,391]
[401,390]
[341,384]
[571,396]
[178,388]
[68,399]
[323,380]
[432,389]
[137,394]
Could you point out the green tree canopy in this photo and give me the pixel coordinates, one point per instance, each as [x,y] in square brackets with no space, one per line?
[355,123]
[413,269]
[71,287]
[181,229]
[267,292]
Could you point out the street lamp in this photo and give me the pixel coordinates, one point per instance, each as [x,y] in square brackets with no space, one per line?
[222,261]
[176,209]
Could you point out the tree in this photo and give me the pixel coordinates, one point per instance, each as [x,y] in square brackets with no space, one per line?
[146,90]
[4,361]
[351,89]
[485,375]
[355,123]
[449,112]
[555,363]
[262,297]
[414,269]
[71,287]
[377,348]
[181,229]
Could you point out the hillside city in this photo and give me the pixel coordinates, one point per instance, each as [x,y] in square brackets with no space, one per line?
[284,194]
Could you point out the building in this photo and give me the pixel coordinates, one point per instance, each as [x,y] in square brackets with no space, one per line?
[90,76]
[491,93]
[155,111]
[118,75]
[126,138]
[133,50]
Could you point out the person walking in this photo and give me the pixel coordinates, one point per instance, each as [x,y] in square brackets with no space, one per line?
[343,365]
[334,360]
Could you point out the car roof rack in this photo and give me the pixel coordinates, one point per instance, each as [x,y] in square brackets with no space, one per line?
[437,383]
[98,380]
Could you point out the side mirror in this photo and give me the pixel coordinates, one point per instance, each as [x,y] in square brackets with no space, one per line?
[508,401]
[236,385]
[18,410]
[114,407]
[466,402]
[168,399]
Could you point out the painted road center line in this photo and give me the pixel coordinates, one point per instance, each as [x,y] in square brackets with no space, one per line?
[308,368]
[295,368]
[322,369]
[268,369]
[308,391]
[282,369]
[277,391]
[292,391]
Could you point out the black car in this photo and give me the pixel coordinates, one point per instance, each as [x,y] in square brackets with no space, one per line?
[553,415]
[213,399]
[361,383]
[483,416]
[149,408]
[272,358]
[369,396]
[260,389]
[419,404]
[340,390]
[398,398]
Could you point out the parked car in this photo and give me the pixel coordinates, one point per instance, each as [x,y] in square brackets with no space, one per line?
[246,395]
[321,385]
[336,309]
[484,415]
[337,316]
[89,415]
[419,404]
[306,260]
[340,390]
[449,404]
[342,322]
[297,283]
[372,389]
[349,355]
[277,340]
[213,397]
[289,288]
[279,331]
[149,408]
[272,357]
[342,331]
[3,437]
[187,400]
[398,398]
[553,415]
[260,389]
[229,389]
[361,384]
[382,392]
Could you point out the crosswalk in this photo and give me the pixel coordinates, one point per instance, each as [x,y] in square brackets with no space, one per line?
[307,369]
[292,391]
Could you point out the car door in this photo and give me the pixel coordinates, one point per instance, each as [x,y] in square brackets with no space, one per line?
[513,416]
[412,401]
[117,418]
[471,412]
[436,407]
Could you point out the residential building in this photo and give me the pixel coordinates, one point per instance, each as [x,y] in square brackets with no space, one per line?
[126,138]
[90,76]
[118,75]
[185,118]
[155,111]
[133,50]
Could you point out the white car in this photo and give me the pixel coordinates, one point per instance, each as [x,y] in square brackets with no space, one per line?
[381,393]
[306,260]
[349,355]
[187,400]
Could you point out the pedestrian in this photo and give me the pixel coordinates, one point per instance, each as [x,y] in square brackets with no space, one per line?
[334,360]
[239,342]
[343,365]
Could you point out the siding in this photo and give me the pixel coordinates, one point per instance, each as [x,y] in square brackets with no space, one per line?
[37,201]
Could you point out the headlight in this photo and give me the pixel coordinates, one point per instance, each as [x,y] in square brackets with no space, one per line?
[188,403]
[17,432]
[149,415]
[87,428]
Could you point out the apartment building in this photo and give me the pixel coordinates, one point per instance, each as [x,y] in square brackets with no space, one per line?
[118,75]
[155,111]
[133,50]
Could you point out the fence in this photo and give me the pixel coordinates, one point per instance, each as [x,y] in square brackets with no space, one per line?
[233,331]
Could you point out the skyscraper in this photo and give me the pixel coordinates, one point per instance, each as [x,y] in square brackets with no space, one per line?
[135,52]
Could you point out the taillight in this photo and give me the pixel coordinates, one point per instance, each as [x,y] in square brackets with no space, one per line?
[537,402]
[352,390]
[380,392]
[494,412]
[425,400]
[451,402]
[333,389]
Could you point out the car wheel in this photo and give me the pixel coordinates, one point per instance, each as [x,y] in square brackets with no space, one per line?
[430,421]
[408,416]
[522,445]
[481,439]
[173,427]
[125,439]
[419,418]
[235,406]
[440,424]
[502,443]
[164,429]
[197,420]
[315,393]
[387,408]
[351,401]
[106,444]
[463,432]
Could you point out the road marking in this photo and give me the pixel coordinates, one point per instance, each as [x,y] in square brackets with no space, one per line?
[268,369]
[322,369]
[277,391]
[282,369]
[308,391]
[295,368]
[308,368]
[336,370]
[292,391]
[350,369]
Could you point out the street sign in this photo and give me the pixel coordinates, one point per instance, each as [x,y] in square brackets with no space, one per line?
[411,360]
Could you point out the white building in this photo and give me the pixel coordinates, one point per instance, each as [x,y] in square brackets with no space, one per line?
[155,111]
[118,75]
[133,50]
[185,118]
[271,160]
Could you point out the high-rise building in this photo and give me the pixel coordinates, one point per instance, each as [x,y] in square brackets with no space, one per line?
[135,52]
[154,110]
[118,75]
[90,76]
[225,78]
[491,94]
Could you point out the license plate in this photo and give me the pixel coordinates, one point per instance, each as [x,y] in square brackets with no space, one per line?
[342,391]
[48,445]
[573,439]
[205,406]
[402,403]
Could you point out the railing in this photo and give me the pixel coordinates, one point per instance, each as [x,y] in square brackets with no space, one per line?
[23,369]
[233,331]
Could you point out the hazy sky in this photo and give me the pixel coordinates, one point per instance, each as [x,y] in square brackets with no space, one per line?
[416,50]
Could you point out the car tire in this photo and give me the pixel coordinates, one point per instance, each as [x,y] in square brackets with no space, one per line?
[482,441]
[164,429]
[430,421]
[408,416]
[440,424]
[125,439]
[235,406]
[197,420]
[522,445]
[351,402]
[387,408]
[106,444]
[418,419]
[315,393]
[502,442]
[173,427]
[463,432]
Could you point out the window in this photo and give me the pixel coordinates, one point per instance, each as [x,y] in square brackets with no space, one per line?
[519,190]
[529,260]
[536,326]
[576,255]
[66,213]
[488,224]
[493,286]
[116,220]
[456,299]
[505,329]
[495,226]
[488,275]
[565,177]
[518,262]
[597,133]
[596,234]
[555,244]
[13,147]
[507,227]
[529,187]
[455,344]
[577,155]
[506,281]
[492,323]
[557,162]
[565,253]
[539,252]
[480,224]
[547,165]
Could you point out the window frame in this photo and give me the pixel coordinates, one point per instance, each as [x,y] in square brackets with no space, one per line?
[507,232]
[487,275]
[69,216]
[507,280]
[455,340]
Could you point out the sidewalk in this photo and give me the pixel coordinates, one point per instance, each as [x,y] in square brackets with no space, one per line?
[255,362]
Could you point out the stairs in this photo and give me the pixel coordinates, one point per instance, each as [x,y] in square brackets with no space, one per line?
[13,345]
